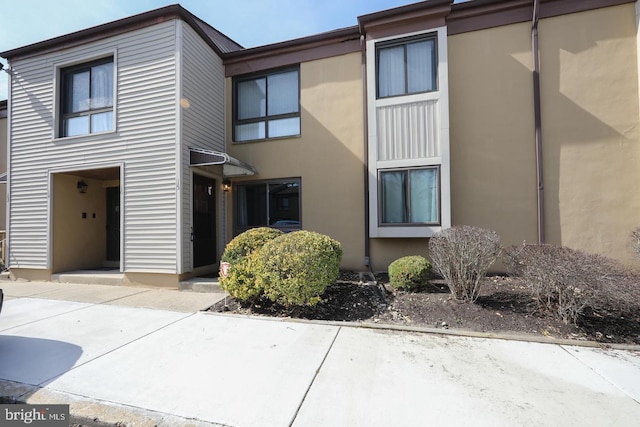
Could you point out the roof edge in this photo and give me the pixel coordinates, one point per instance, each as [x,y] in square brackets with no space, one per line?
[174,11]
[296,44]
[398,13]
[482,14]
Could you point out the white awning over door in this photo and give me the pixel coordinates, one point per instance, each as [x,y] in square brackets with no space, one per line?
[230,165]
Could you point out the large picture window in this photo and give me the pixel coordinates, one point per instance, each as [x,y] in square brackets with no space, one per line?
[267,106]
[271,204]
[406,67]
[87,98]
[409,196]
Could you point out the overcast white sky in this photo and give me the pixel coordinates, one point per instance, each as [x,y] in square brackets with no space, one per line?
[248,22]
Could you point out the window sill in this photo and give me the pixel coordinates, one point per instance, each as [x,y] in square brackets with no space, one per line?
[404,232]
[280,138]
[85,136]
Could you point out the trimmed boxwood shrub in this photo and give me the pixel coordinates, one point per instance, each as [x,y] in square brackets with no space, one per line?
[240,253]
[296,268]
[409,273]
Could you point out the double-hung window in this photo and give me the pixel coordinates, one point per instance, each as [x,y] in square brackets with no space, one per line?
[406,67]
[274,203]
[409,196]
[267,106]
[87,98]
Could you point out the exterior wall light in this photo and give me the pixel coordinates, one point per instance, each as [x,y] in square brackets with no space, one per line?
[82,186]
[226,186]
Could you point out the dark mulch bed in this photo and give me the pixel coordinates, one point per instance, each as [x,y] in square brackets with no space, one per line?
[502,307]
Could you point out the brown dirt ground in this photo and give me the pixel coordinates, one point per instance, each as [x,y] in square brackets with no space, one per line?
[503,307]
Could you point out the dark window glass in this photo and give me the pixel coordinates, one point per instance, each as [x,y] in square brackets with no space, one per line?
[87,98]
[267,106]
[268,204]
[406,67]
[409,196]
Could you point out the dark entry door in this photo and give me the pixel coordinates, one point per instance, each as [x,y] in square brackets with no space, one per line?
[204,221]
[113,224]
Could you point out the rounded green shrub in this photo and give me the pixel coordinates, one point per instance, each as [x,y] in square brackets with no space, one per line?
[296,268]
[409,273]
[240,253]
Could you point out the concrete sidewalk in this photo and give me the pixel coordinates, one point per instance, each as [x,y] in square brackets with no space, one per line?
[148,365]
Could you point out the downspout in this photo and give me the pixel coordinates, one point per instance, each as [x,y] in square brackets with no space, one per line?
[365,123]
[538,120]
[7,226]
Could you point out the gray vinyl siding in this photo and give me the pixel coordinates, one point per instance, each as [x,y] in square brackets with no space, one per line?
[203,122]
[144,142]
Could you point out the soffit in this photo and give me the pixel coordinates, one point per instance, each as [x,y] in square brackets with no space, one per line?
[105,174]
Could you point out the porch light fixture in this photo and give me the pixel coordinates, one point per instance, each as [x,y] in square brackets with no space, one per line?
[82,186]
[226,186]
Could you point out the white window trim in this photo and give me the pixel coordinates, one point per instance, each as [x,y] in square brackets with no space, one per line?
[57,113]
[442,95]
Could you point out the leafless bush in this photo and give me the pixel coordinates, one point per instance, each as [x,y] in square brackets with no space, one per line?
[565,282]
[463,255]
[635,241]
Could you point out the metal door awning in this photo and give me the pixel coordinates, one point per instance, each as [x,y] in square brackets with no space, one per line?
[230,165]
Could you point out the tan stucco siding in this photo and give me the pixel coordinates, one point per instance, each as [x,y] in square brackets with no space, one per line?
[589,86]
[591,146]
[79,224]
[493,172]
[328,156]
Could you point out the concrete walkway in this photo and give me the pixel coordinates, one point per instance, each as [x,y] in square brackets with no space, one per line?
[147,357]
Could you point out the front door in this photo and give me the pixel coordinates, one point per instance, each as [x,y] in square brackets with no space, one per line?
[113,224]
[203,234]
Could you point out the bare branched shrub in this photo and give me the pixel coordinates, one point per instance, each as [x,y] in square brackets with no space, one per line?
[463,255]
[635,241]
[565,282]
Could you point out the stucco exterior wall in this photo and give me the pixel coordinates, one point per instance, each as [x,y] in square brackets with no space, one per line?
[79,240]
[328,156]
[493,163]
[591,145]
[590,128]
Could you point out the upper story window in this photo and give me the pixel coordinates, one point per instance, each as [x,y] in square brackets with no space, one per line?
[406,66]
[87,98]
[267,106]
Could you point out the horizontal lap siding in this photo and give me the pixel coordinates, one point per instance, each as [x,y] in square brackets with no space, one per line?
[144,142]
[203,121]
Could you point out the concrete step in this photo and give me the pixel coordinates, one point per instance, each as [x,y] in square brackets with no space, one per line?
[201,284]
[90,277]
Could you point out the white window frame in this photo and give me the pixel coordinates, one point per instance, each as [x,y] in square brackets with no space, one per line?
[441,95]
[58,95]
